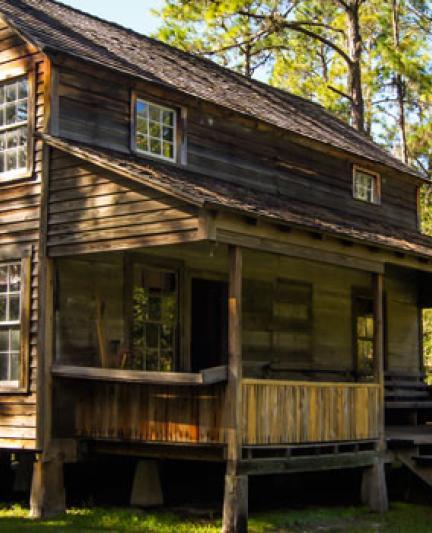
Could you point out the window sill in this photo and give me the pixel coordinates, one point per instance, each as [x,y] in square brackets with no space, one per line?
[12,388]
[208,376]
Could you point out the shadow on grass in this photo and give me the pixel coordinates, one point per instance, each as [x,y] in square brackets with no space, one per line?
[402,518]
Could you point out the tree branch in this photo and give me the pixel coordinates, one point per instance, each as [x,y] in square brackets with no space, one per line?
[340,93]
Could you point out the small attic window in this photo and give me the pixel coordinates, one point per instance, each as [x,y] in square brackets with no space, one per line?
[366,185]
[155,130]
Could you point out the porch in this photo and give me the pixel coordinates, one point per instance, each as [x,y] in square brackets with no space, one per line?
[304,333]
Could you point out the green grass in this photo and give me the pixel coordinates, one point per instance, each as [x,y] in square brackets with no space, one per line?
[402,518]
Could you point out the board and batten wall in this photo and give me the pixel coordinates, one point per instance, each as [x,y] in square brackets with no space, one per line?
[19,233]
[95,107]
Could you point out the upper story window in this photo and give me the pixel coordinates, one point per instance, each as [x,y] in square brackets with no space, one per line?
[10,324]
[366,185]
[14,112]
[155,130]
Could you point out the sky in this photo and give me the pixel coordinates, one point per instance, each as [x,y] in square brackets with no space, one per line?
[134,14]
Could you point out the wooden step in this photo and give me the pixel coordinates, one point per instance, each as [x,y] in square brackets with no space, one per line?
[399,384]
[395,404]
[423,460]
[411,394]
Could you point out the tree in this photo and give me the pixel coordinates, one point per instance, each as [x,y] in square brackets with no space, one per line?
[256,30]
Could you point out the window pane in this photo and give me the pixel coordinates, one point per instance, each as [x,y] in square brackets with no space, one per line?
[4,365]
[14,368]
[22,111]
[15,278]
[142,143]
[11,114]
[168,134]
[152,362]
[166,363]
[3,306]
[11,160]
[155,146]
[142,125]
[15,340]
[11,92]
[168,118]
[142,109]
[3,278]
[4,340]
[155,113]
[152,336]
[168,150]
[14,308]
[155,129]
[22,157]
[22,89]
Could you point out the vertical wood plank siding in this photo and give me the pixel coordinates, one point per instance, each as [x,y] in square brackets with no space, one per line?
[19,228]
[222,145]
[274,412]
[151,413]
[280,412]
[89,211]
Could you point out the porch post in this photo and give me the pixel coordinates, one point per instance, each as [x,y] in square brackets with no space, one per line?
[235,511]
[47,491]
[374,488]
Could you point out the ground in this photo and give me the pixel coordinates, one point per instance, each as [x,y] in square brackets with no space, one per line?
[402,518]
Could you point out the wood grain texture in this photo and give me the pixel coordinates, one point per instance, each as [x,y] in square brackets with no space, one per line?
[151,413]
[222,145]
[91,211]
[19,228]
[283,412]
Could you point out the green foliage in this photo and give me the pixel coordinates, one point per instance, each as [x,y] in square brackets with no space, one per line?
[401,518]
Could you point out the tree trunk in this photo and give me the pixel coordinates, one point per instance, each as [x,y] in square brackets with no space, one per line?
[399,85]
[354,68]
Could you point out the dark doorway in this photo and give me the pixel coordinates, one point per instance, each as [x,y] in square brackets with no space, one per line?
[209,323]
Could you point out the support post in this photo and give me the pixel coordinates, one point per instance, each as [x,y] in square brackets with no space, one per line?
[374,488]
[47,491]
[235,511]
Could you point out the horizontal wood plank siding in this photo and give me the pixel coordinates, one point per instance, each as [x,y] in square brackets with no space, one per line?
[89,211]
[175,414]
[223,145]
[19,230]
[282,412]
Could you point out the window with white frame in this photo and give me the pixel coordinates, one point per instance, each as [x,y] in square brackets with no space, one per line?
[14,112]
[366,186]
[10,324]
[155,130]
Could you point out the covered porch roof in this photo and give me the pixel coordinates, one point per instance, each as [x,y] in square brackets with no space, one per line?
[215,194]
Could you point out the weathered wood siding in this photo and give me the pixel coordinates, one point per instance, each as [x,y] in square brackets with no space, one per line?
[403,345]
[151,413]
[19,228]
[280,412]
[90,211]
[94,107]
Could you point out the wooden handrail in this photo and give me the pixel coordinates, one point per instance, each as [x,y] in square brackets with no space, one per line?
[207,376]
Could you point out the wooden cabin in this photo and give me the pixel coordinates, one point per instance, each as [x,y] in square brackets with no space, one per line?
[194,265]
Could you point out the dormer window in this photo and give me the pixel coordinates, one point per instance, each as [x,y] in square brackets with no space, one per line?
[366,185]
[14,128]
[155,130]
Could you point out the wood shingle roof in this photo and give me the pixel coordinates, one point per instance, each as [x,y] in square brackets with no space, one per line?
[205,191]
[54,27]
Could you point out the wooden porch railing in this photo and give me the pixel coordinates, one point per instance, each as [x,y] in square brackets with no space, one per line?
[274,412]
[291,412]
